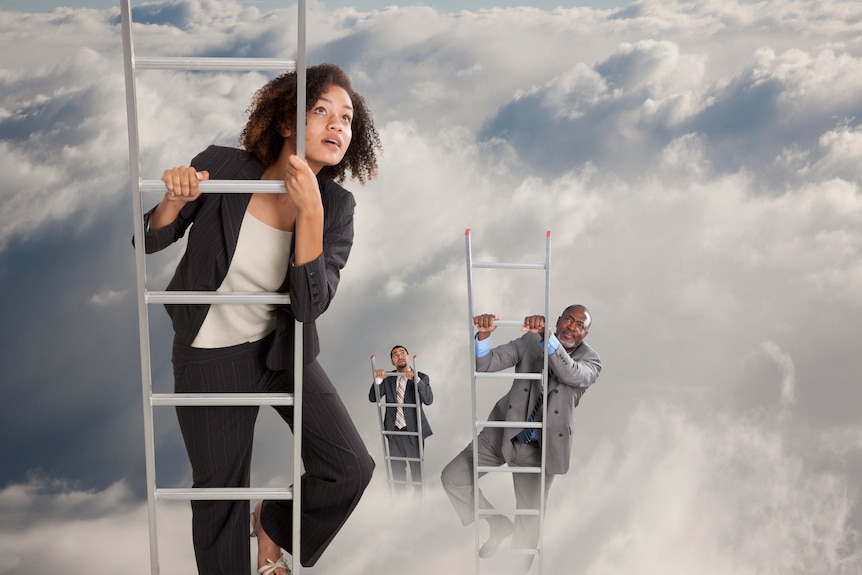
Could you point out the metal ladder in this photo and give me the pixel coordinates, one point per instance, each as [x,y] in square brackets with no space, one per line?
[381,414]
[478,424]
[139,188]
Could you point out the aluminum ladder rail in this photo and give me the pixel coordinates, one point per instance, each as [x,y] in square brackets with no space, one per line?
[478,424]
[381,415]
[146,297]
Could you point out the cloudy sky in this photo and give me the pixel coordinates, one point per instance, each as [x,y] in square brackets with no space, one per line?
[698,164]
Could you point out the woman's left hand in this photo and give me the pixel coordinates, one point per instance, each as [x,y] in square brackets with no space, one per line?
[300,182]
[301,185]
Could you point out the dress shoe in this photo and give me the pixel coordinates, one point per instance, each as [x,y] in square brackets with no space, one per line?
[500,529]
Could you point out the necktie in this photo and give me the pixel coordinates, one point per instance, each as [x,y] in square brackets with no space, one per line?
[400,422]
[529,433]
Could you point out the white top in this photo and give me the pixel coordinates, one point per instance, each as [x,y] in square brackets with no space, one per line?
[258,265]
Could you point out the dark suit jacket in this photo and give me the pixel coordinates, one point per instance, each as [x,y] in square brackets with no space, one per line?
[388,390]
[212,243]
[572,375]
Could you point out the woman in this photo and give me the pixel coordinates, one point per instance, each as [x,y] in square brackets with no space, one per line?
[295,242]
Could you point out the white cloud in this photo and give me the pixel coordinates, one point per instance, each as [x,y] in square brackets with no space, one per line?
[697,164]
[667,492]
[108,297]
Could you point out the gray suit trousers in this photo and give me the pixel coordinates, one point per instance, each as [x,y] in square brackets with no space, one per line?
[457,480]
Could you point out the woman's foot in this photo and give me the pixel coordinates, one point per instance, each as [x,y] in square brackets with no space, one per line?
[269,558]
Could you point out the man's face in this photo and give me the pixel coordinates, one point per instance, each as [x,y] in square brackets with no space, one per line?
[399,357]
[572,327]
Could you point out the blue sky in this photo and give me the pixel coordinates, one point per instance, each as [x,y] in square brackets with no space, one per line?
[698,164]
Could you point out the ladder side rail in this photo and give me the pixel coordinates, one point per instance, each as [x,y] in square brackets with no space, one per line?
[140,273]
[475,444]
[540,545]
[421,441]
[298,358]
[381,411]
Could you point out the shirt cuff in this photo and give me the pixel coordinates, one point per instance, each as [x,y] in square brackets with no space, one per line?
[553,344]
[483,346]
[378,380]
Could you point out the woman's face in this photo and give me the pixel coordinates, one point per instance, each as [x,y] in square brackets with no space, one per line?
[328,129]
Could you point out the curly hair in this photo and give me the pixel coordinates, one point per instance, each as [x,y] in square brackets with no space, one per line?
[273,107]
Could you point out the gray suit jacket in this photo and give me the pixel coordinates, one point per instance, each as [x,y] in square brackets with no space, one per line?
[571,375]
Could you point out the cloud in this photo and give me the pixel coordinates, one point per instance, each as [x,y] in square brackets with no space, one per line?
[672,493]
[697,164]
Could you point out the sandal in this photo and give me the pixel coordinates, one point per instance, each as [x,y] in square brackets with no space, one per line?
[271,567]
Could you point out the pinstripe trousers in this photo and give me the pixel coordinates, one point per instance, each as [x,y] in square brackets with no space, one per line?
[219,440]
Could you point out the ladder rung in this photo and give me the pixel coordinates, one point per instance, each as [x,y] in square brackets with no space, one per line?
[507,375]
[191,297]
[516,551]
[224,493]
[398,458]
[486,512]
[396,373]
[505,266]
[510,424]
[400,432]
[398,404]
[506,469]
[208,63]
[221,399]
[222,186]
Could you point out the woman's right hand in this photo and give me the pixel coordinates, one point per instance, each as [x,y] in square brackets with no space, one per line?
[182,183]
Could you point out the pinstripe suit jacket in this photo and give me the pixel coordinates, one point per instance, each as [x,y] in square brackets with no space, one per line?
[212,243]
[572,374]
[388,390]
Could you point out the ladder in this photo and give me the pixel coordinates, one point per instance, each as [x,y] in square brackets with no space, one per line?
[381,415]
[478,424]
[140,188]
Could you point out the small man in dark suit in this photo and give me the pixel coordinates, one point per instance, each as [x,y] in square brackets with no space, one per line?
[403,389]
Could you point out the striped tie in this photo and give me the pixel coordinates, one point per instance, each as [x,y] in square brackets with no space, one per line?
[529,433]
[400,422]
